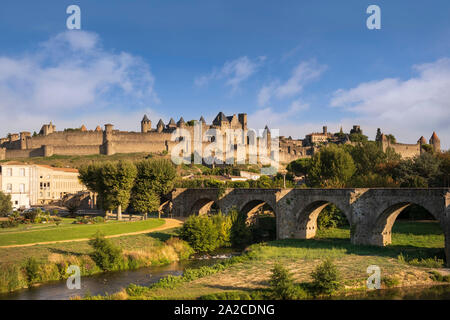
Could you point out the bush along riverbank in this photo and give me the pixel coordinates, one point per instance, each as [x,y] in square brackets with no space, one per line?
[105,257]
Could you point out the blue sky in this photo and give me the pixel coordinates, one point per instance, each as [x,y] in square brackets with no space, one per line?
[294,65]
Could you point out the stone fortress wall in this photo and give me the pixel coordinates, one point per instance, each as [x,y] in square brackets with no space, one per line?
[157,140]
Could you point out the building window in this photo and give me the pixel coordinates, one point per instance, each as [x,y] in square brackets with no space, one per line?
[22,188]
[9,187]
[22,172]
[9,172]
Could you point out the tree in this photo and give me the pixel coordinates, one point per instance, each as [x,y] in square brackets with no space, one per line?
[358,137]
[378,136]
[161,174]
[5,204]
[299,167]
[117,179]
[282,283]
[391,138]
[143,197]
[423,171]
[368,156]
[332,167]
[326,278]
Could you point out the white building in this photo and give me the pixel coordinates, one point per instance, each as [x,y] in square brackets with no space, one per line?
[17,179]
[37,184]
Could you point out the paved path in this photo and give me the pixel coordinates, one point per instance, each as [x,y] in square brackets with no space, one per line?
[169,224]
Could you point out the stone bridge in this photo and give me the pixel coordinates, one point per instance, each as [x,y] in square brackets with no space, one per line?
[370,212]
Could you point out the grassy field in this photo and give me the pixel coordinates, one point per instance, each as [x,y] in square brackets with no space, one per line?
[43,251]
[419,240]
[68,231]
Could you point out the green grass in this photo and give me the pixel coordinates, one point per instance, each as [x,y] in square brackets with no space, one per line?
[75,231]
[77,161]
[422,241]
[65,222]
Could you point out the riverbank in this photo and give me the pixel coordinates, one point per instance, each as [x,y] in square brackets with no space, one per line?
[417,251]
[51,260]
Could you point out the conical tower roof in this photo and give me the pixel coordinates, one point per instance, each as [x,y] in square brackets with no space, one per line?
[181,122]
[83,128]
[220,118]
[434,137]
[98,128]
[160,123]
[145,119]
[422,140]
[202,120]
[172,122]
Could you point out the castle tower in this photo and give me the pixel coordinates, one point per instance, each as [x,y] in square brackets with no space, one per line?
[422,141]
[146,125]
[435,142]
[98,129]
[202,120]
[107,140]
[171,124]
[83,128]
[221,120]
[181,123]
[325,130]
[160,126]
[23,139]
[243,120]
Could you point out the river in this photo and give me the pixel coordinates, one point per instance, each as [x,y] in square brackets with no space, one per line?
[111,282]
[104,283]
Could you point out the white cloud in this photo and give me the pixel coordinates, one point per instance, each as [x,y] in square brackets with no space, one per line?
[407,108]
[302,74]
[276,119]
[233,72]
[72,76]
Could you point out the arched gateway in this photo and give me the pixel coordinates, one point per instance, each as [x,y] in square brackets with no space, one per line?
[370,212]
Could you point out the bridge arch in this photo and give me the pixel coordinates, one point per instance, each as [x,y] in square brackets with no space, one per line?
[262,219]
[388,214]
[252,208]
[308,215]
[204,206]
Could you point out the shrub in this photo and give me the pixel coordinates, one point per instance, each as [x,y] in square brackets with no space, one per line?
[98,219]
[10,223]
[10,278]
[326,278]
[107,256]
[282,285]
[201,233]
[5,204]
[436,276]
[32,214]
[32,270]
[390,282]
